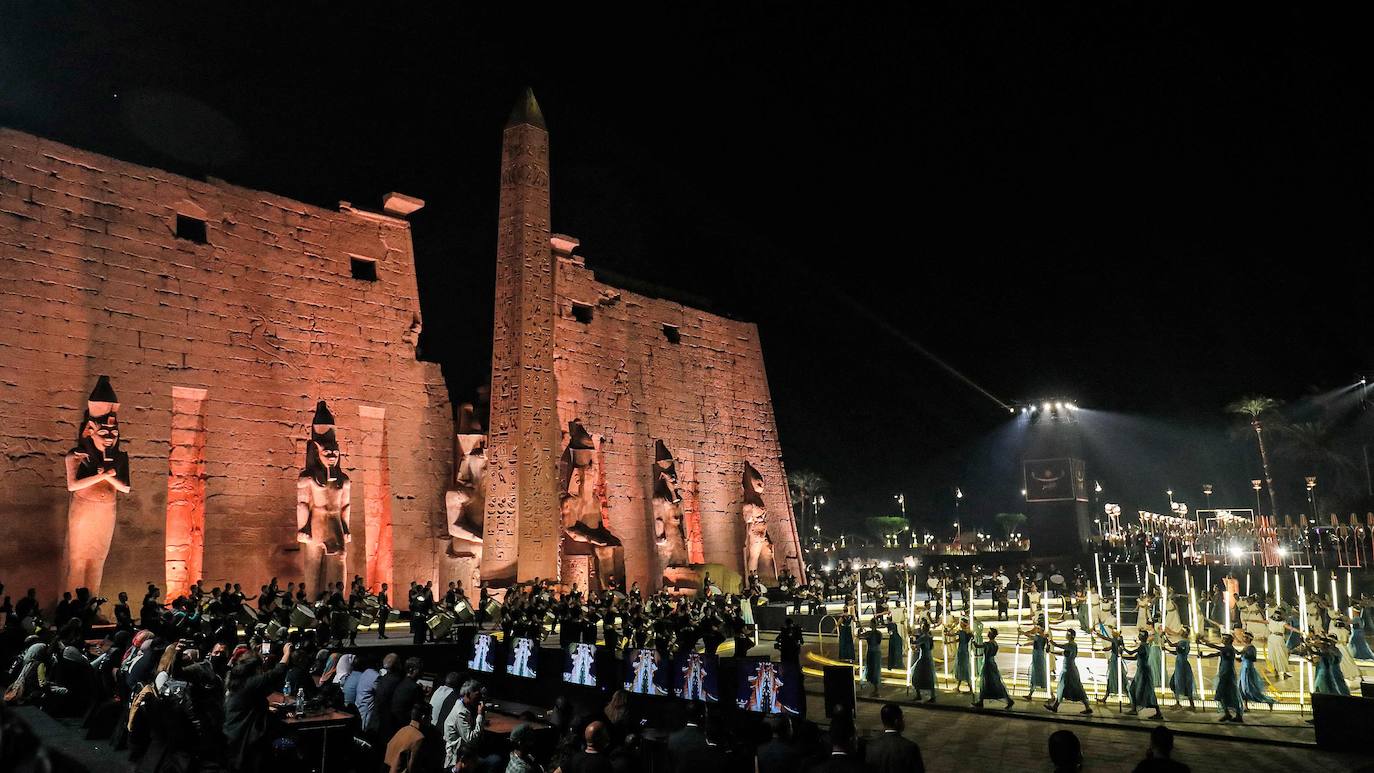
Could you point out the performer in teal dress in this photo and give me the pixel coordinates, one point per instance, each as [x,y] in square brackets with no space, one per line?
[1143,685]
[963,660]
[990,677]
[847,638]
[1040,660]
[1359,623]
[1251,684]
[895,657]
[1116,647]
[922,652]
[1226,687]
[873,655]
[1181,681]
[1084,600]
[1335,677]
[1070,684]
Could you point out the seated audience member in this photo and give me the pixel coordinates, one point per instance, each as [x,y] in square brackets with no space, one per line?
[779,754]
[403,752]
[686,743]
[1065,752]
[1159,758]
[890,752]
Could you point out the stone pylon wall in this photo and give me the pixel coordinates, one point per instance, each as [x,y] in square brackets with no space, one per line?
[705,396]
[266,318]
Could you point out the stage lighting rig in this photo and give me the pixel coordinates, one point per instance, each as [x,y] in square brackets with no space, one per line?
[1051,409]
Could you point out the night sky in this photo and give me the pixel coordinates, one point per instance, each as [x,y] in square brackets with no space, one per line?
[1151,208]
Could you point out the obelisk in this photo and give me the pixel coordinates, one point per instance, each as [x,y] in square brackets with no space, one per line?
[522,519]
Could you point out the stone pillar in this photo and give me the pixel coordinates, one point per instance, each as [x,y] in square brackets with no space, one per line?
[372,460]
[185,536]
[522,523]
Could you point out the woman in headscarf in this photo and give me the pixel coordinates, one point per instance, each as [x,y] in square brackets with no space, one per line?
[75,674]
[32,680]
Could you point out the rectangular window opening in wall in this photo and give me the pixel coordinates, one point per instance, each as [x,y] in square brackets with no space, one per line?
[582,313]
[192,229]
[671,333]
[363,268]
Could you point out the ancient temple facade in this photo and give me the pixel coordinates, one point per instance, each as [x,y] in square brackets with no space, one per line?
[630,436]
[200,381]
[221,316]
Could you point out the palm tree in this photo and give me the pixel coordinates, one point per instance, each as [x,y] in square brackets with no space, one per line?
[805,486]
[1314,446]
[1254,406]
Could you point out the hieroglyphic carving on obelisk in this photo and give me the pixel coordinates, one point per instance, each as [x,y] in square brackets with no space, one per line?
[521,528]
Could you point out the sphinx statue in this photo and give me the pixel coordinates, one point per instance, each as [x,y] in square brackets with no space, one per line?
[580,505]
[669,536]
[97,469]
[757,543]
[323,495]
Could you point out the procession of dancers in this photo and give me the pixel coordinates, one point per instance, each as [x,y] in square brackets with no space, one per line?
[1248,645]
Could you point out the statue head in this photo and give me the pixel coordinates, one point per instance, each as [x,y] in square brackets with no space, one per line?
[322,457]
[665,480]
[100,426]
[753,486]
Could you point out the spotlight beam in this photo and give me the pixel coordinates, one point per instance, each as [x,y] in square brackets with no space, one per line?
[921,350]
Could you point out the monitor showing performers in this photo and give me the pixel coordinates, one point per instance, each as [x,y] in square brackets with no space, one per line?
[522,658]
[769,688]
[483,653]
[695,677]
[579,664]
[645,672]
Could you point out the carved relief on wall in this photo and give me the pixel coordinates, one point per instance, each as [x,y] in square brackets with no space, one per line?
[669,536]
[758,550]
[582,503]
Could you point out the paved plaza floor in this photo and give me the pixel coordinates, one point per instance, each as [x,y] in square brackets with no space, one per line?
[963,740]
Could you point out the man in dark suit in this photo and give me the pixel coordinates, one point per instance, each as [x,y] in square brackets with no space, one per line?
[406,695]
[842,758]
[891,752]
[779,755]
[685,744]
[380,724]
[789,642]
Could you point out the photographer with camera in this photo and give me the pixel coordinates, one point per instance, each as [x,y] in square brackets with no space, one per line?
[246,715]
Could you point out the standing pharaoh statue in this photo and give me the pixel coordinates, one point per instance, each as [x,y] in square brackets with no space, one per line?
[584,529]
[323,494]
[757,544]
[97,469]
[668,534]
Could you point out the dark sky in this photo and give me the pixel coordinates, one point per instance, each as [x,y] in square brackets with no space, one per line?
[1151,207]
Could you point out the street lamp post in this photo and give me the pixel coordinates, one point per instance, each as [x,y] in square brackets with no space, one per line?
[958,500]
[1312,495]
[1257,485]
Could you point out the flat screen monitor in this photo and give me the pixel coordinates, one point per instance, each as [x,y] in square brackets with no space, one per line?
[483,653]
[769,688]
[646,672]
[579,664]
[522,658]
[695,677]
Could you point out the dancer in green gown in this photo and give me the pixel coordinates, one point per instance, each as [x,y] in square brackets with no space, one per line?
[1181,681]
[922,653]
[1226,687]
[1040,660]
[990,677]
[1070,684]
[1143,684]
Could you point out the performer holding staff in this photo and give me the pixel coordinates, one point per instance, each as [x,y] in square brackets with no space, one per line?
[1070,684]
